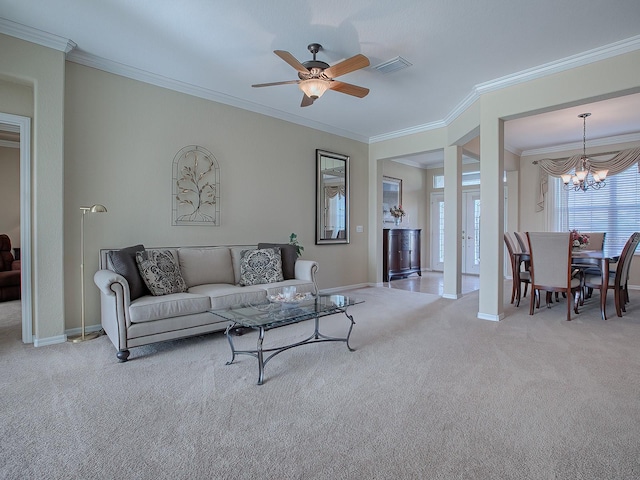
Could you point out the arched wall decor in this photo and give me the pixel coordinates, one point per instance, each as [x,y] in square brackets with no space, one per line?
[196,187]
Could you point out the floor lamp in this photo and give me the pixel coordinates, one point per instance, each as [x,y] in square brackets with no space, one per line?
[85,336]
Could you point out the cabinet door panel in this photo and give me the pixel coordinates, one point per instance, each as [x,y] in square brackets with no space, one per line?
[401,254]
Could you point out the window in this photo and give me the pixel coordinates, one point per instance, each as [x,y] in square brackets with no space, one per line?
[614,209]
[468,179]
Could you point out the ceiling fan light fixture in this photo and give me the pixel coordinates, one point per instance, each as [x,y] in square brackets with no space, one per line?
[314,87]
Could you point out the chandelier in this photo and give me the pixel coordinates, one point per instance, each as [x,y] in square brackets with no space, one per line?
[584,178]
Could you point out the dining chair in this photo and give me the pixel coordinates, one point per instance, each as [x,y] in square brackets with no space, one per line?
[519,276]
[591,265]
[521,237]
[523,243]
[620,275]
[551,268]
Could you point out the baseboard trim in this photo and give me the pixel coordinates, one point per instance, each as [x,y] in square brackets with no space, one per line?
[70,332]
[43,342]
[452,296]
[491,317]
[346,287]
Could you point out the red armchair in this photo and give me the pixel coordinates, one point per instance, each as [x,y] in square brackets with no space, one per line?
[9,272]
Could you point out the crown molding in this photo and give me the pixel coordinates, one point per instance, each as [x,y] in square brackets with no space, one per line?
[36,36]
[584,58]
[88,60]
[578,60]
[407,131]
[598,142]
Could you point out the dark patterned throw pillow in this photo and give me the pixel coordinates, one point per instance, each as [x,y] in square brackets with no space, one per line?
[160,272]
[260,266]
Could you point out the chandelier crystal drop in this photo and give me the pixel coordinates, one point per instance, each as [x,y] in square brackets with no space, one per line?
[584,178]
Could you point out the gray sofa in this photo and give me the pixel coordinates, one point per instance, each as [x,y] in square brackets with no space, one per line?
[132,317]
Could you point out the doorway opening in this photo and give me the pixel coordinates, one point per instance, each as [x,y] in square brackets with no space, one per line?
[23,124]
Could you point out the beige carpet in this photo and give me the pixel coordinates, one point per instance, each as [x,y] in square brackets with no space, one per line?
[430,393]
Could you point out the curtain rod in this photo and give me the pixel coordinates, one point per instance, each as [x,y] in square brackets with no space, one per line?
[535,162]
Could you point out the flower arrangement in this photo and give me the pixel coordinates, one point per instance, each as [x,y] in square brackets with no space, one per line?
[579,239]
[397,212]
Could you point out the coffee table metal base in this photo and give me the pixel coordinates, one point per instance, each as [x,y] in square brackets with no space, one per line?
[259,352]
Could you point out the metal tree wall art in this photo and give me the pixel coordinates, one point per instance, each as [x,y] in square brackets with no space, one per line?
[196,187]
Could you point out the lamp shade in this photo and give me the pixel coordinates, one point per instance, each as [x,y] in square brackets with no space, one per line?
[314,88]
[97,208]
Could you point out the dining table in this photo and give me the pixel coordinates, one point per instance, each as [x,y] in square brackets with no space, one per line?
[603,258]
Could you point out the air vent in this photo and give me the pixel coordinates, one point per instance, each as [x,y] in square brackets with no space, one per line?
[393,65]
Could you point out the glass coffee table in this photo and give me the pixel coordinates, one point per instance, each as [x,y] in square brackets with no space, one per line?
[267,316]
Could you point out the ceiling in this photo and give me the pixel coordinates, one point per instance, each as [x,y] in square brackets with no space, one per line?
[218,49]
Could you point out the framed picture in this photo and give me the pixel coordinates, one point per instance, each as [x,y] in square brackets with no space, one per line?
[391,197]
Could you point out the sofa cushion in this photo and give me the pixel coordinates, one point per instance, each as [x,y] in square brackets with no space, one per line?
[225,296]
[206,265]
[149,308]
[124,263]
[160,272]
[289,256]
[263,265]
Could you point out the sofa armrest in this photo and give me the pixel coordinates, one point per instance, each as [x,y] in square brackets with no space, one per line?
[306,270]
[105,279]
[115,299]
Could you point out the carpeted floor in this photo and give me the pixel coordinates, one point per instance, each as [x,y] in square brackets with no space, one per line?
[431,392]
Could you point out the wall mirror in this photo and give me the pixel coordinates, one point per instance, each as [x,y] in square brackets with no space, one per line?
[332,198]
[391,196]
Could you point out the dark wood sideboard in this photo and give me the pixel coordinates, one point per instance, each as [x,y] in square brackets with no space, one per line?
[400,252]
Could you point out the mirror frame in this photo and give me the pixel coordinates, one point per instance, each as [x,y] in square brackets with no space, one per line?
[320,240]
[393,183]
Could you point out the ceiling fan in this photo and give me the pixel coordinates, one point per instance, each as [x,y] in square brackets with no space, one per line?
[316,77]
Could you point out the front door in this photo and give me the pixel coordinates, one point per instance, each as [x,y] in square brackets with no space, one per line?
[470,232]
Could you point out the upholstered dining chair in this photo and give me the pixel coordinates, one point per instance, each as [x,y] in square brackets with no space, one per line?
[591,265]
[551,268]
[620,276]
[521,237]
[519,276]
[523,243]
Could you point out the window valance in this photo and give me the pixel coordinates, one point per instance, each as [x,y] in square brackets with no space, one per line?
[332,191]
[557,167]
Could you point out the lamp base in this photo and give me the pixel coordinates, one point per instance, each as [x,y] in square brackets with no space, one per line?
[81,338]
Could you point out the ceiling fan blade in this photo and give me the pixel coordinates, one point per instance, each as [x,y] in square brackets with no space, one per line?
[349,65]
[349,89]
[306,101]
[291,60]
[275,83]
